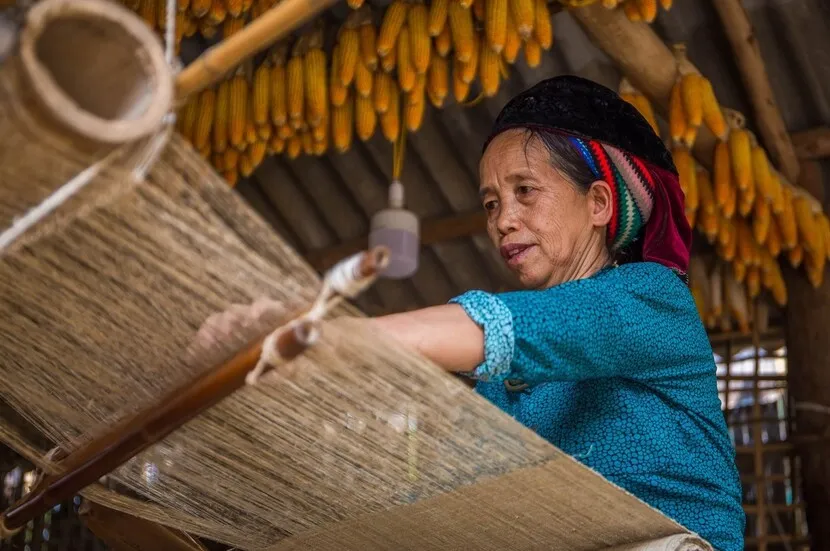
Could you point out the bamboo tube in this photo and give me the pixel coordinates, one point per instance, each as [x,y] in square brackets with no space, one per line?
[253,38]
[132,436]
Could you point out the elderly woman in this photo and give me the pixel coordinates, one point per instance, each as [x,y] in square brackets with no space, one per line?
[602,353]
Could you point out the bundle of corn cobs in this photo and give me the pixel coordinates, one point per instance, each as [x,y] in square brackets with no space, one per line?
[376,70]
[745,208]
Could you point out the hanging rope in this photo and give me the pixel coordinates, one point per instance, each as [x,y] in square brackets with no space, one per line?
[398,151]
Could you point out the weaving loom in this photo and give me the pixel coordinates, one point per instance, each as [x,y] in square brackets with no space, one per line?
[105,285]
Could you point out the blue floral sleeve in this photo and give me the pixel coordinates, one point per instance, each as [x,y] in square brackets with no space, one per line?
[590,328]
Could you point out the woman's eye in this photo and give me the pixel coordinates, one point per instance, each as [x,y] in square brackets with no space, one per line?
[524,190]
[489,205]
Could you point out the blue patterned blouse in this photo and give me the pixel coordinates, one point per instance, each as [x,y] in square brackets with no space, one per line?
[617,371]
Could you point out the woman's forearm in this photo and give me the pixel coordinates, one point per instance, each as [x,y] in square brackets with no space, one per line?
[445,334]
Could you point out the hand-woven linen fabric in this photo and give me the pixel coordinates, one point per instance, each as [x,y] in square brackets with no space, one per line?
[622,149]
[620,375]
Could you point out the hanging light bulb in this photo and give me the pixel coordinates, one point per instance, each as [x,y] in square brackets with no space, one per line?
[399,230]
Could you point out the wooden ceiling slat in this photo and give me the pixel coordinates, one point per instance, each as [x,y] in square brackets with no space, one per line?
[251,191]
[281,189]
[323,186]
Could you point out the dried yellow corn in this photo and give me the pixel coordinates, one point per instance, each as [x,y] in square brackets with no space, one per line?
[285,131]
[316,94]
[632,11]
[200,8]
[337,91]
[706,194]
[348,51]
[218,12]
[808,230]
[147,12]
[438,81]
[406,72]
[261,92]
[740,154]
[460,89]
[218,161]
[368,46]
[387,62]
[761,221]
[206,29]
[232,25]
[666,4]
[512,41]
[251,134]
[381,92]
[231,177]
[320,133]
[648,10]
[355,4]
[443,42]
[365,117]
[238,110]
[478,10]
[420,45]
[677,114]
[220,120]
[710,225]
[257,152]
[724,229]
[207,106]
[469,68]
[294,146]
[181,5]
[824,223]
[276,145]
[189,117]
[774,240]
[761,175]
[363,79]
[495,24]
[390,121]
[466,3]
[753,282]
[777,201]
[489,70]
[691,90]
[191,26]
[533,52]
[279,109]
[746,198]
[795,256]
[722,174]
[234,7]
[246,165]
[736,299]
[414,114]
[738,270]
[230,159]
[731,202]
[437,16]
[543,26]
[393,21]
[787,222]
[523,12]
[295,89]
[461,27]
[815,269]
[264,132]
[712,114]
[308,143]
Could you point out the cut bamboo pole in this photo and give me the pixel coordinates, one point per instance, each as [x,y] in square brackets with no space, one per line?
[812,144]
[260,33]
[739,31]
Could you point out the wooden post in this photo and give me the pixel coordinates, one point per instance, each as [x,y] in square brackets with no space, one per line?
[774,135]
[812,144]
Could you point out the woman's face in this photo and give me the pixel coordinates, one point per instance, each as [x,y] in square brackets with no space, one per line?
[547,230]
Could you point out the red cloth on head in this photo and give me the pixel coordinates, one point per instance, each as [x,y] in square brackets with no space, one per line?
[667,237]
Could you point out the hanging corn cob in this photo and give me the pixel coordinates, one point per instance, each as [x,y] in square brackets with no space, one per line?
[638,100]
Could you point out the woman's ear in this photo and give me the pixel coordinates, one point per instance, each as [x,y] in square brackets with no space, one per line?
[601,202]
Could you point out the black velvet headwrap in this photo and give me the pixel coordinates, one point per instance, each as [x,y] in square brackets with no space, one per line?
[587,110]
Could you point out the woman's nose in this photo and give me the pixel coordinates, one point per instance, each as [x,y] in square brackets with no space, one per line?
[507,220]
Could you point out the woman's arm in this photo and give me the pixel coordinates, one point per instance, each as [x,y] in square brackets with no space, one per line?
[445,334]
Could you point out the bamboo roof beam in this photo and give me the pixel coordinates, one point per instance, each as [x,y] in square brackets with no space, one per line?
[739,31]
[812,144]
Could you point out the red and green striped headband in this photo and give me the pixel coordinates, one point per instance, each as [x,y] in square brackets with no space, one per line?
[631,184]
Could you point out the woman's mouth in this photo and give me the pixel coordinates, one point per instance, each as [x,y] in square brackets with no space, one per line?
[514,254]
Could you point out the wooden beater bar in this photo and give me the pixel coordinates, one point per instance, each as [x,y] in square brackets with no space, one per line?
[102,455]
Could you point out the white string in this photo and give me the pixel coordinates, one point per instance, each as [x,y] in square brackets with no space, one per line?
[811,406]
[343,279]
[53,201]
[170,32]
